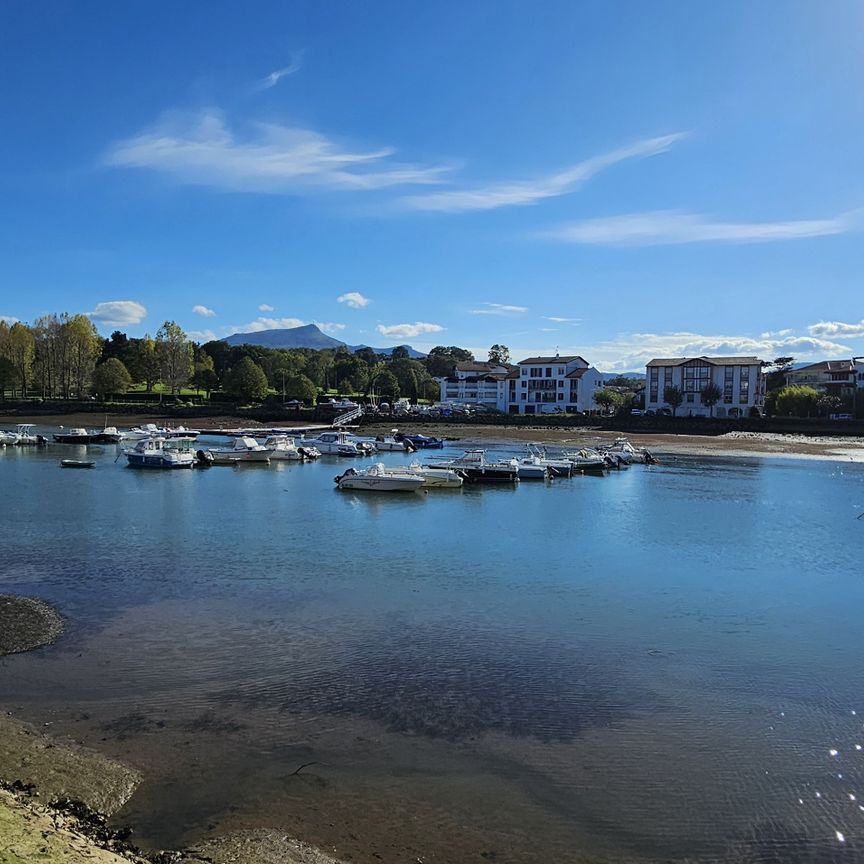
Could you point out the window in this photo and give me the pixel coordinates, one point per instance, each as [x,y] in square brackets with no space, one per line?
[728,374]
[560,397]
[560,382]
[560,370]
[536,372]
[744,385]
[654,384]
[695,378]
[548,371]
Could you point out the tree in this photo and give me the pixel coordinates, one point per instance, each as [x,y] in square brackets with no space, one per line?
[8,376]
[300,387]
[204,377]
[18,348]
[174,351]
[111,377]
[144,362]
[776,378]
[400,352]
[607,399]
[499,354]
[247,381]
[440,360]
[387,385]
[711,394]
[797,400]
[827,404]
[673,397]
[83,347]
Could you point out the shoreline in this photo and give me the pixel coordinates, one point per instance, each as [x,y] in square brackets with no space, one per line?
[735,443]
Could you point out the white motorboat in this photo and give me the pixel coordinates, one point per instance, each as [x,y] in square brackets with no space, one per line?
[392,443]
[245,449]
[537,455]
[530,468]
[379,478]
[625,451]
[475,468]
[586,459]
[285,448]
[74,436]
[437,478]
[339,444]
[160,453]
[24,435]
[151,430]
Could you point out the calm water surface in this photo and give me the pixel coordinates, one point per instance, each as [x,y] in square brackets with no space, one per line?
[657,665]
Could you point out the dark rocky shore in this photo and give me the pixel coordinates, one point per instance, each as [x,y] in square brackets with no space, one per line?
[26,623]
[56,796]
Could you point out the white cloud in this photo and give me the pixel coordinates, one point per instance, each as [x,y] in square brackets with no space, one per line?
[405,331]
[329,327]
[523,192]
[275,77]
[9,319]
[202,335]
[836,329]
[262,323]
[499,309]
[631,351]
[665,227]
[559,320]
[203,311]
[264,307]
[354,299]
[119,312]
[200,149]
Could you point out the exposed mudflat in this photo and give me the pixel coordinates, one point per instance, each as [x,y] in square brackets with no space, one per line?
[26,623]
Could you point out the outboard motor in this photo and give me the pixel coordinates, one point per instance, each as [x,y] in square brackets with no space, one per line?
[203,459]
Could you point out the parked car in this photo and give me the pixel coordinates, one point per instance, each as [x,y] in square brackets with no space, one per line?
[637,412]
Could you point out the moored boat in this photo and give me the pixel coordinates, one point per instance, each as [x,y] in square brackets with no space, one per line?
[379,478]
[74,436]
[77,463]
[437,478]
[339,444]
[476,468]
[426,442]
[160,453]
[245,449]
[587,460]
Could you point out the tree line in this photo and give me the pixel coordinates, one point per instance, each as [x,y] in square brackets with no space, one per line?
[64,357]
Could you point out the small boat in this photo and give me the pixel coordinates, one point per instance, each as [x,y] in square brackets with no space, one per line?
[475,468]
[285,448]
[532,470]
[426,442]
[151,430]
[394,442]
[25,436]
[108,435]
[587,460]
[437,478]
[245,449]
[624,450]
[537,455]
[339,444]
[160,453]
[74,436]
[379,478]
[76,463]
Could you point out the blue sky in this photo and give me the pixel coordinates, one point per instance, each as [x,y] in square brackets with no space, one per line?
[621,180]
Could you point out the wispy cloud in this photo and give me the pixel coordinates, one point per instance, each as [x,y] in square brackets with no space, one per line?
[265,307]
[203,311]
[262,323]
[329,327]
[405,331]
[665,227]
[523,192]
[202,335]
[119,312]
[277,75]
[836,329]
[499,309]
[200,149]
[9,319]
[354,299]
[559,320]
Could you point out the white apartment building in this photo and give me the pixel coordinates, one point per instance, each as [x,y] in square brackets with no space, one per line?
[475,383]
[536,385]
[739,379]
[837,377]
[548,385]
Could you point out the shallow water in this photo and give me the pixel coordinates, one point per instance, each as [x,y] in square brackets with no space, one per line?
[651,666]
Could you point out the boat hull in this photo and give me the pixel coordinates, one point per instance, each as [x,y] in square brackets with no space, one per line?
[139,460]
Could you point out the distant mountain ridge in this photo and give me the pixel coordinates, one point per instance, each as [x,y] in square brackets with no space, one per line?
[307,336]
